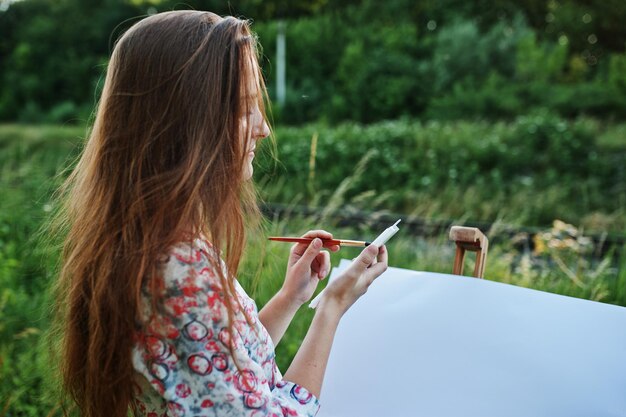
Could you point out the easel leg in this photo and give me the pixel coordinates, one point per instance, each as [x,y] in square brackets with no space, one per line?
[459,259]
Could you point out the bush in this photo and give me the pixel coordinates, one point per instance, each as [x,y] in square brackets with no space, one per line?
[461,52]
[597,98]
[377,75]
[314,47]
[496,98]
[410,163]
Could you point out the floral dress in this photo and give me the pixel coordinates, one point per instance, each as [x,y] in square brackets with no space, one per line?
[181,356]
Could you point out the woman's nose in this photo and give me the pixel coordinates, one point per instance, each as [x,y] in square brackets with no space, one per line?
[262,130]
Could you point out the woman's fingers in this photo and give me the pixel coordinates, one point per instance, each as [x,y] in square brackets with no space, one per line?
[374,272]
[371,263]
[364,260]
[309,253]
[323,264]
[322,234]
[354,282]
[333,248]
[382,254]
[300,248]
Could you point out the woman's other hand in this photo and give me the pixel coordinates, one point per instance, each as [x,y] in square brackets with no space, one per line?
[354,282]
[308,264]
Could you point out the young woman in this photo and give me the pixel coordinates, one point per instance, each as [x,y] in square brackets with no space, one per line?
[154,320]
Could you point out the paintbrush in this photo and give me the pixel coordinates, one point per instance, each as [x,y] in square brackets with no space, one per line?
[325,242]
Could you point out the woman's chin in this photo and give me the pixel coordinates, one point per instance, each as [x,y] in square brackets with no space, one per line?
[248,172]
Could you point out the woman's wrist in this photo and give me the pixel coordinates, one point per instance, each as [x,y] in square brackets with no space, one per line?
[289,301]
[331,306]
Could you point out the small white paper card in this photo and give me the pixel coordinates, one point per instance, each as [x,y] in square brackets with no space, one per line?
[437,345]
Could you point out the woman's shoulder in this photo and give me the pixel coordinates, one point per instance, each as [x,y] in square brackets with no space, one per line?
[186,281]
[192,252]
[192,265]
[190,261]
[189,252]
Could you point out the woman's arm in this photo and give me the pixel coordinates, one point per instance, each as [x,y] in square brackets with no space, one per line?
[277,314]
[307,265]
[309,365]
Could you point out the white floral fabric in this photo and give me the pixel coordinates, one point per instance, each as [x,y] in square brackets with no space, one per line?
[181,356]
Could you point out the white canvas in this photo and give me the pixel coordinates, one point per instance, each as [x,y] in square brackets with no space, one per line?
[437,345]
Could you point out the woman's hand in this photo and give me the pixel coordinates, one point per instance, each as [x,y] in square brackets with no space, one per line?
[308,366]
[308,264]
[354,282]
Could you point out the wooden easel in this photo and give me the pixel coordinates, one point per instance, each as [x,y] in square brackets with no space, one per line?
[473,240]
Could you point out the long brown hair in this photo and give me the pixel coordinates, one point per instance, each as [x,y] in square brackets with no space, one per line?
[164,159]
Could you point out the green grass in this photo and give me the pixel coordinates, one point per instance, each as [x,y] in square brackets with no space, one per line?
[32,163]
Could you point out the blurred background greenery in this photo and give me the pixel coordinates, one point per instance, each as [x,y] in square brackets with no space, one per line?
[509,115]
[359,60]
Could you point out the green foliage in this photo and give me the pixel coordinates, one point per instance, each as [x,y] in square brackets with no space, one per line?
[617,72]
[311,57]
[539,62]
[30,158]
[462,52]
[353,60]
[415,167]
[594,99]
[54,56]
[377,75]
[495,98]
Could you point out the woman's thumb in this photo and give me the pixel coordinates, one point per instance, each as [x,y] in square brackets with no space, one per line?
[311,251]
[365,259]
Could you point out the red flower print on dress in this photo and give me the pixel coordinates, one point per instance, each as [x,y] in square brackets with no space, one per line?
[189,286]
[183,390]
[157,348]
[176,409]
[212,346]
[302,395]
[268,367]
[206,275]
[159,370]
[246,381]
[214,299]
[288,411]
[190,257]
[194,330]
[180,305]
[162,325]
[254,400]
[220,361]
[158,385]
[199,364]
[159,285]
[224,336]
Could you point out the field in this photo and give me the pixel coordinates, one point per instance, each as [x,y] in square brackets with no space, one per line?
[552,192]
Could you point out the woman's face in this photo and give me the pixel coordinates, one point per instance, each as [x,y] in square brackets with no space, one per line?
[254,125]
